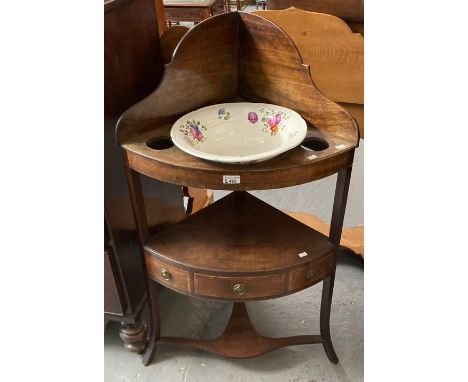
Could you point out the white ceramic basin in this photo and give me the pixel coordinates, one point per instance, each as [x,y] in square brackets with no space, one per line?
[239,132]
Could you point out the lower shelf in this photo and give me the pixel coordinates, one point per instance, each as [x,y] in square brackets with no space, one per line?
[239,249]
[240,339]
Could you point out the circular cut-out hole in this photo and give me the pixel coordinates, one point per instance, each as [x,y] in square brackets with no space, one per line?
[315,143]
[160,143]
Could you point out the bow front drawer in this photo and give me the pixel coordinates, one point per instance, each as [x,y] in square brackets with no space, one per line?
[241,288]
[168,274]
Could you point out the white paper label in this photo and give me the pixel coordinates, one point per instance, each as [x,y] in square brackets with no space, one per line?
[302,254]
[231,179]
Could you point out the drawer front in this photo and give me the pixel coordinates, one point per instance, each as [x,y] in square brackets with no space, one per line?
[310,274]
[239,287]
[168,274]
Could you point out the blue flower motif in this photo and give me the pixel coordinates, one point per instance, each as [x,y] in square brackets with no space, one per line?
[221,111]
[193,125]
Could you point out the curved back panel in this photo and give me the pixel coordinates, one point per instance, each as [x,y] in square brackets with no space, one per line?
[271,70]
[230,54]
[203,71]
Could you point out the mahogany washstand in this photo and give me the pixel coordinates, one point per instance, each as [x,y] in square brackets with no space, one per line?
[239,248]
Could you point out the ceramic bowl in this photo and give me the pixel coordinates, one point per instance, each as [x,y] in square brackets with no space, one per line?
[241,132]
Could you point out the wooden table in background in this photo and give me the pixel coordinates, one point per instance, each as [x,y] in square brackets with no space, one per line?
[191,11]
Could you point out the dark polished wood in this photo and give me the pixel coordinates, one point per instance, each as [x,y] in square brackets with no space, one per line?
[241,340]
[132,69]
[339,207]
[169,40]
[238,248]
[237,61]
[155,324]
[134,336]
[267,251]
[113,296]
[242,233]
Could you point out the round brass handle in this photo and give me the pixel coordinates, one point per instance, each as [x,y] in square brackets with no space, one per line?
[239,289]
[166,275]
[310,274]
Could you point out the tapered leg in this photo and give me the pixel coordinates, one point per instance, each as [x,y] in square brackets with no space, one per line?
[325,308]
[336,226]
[155,322]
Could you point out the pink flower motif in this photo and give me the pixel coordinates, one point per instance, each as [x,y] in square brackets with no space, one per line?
[278,118]
[252,117]
[196,134]
[271,121]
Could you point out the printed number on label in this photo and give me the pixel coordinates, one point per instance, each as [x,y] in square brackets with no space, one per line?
[231,179]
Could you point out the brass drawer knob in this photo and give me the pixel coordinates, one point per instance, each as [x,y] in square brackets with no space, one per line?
[166,275]
[311,274]
[239,289]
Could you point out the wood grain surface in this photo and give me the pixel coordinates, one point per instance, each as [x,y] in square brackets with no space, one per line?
[348,10]
[334,52]
[352,237]
[239,235]
[169,40]
[240,339]
[326,43]
[240,60]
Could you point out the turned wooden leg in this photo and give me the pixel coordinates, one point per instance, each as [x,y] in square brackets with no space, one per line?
[155,322]
[325,308]
[134,336]
[139,213]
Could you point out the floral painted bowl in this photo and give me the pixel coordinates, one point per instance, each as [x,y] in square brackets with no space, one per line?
[239,132]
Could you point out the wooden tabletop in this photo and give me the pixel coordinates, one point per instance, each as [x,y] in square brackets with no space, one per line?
[253,60]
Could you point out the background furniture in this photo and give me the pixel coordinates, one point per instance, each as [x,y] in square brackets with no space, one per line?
[336,58]
[191,10]
[132,69]
[239,4]
[230,249]
[161,16]
[351,11]
[263,3]
[334,52]
[169,40]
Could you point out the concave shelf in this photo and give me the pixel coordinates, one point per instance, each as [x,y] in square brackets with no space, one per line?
[239,234]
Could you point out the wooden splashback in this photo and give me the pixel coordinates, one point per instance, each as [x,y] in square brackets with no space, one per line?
[203,71]
[229,55]
[272,70]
